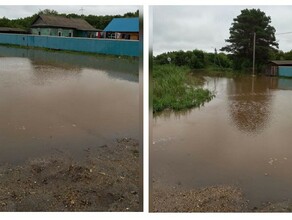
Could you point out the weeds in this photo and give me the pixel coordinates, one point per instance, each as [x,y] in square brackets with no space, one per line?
[174,89]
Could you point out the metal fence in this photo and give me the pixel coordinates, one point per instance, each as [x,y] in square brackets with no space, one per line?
[101,46]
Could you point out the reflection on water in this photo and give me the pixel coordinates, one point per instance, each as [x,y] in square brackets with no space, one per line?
[50,105]
[240,137]
[249,102]
[113,66]
[169,113]
[285,83]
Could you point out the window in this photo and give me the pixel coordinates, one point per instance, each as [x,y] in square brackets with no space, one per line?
[39,33]
[70,34]
[59,33]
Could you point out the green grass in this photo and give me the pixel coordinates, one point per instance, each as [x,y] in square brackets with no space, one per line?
[173,88]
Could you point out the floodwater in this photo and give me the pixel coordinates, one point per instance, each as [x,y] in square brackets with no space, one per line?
[60,102]
[242,137]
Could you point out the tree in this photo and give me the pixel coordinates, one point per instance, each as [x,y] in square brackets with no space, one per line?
[288,55]
[99,22]
[48,12]
[241,38]
[4,22]
[132,14]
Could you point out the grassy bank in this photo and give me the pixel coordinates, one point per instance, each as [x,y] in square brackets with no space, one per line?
[174,88]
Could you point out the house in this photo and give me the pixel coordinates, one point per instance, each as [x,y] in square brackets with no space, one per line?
[8,30]
[279,68]
[62,26]
[123,28]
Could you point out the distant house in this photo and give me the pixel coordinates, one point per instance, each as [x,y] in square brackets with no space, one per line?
[279,68]
[8,30]
[62,26]
[123,28]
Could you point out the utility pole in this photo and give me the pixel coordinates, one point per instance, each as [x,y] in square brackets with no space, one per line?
[253,60]
[215,56]
[82,10]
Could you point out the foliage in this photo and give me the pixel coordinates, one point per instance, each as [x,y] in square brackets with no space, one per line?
[23,23]
[242,31]
[195,59]
[99,22]
[172,91]
[280,55]
[287,55]
[48,12]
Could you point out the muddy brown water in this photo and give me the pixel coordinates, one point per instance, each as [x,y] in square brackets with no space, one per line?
[242,137]
[62,102]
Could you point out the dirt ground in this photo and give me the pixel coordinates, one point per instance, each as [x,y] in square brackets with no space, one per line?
[221,198]
[107,180]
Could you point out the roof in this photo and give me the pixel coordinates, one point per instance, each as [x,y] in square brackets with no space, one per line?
[59,21]
[123,25]
[12,30]
[282,62]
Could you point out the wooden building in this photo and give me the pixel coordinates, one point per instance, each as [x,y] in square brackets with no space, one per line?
[279,68]
[61,26]
[123,28]
[8,30]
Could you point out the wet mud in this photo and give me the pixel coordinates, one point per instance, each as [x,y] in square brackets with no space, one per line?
[107,179]
[221,198]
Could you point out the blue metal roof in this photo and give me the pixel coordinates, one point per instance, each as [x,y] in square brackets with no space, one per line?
[123,25]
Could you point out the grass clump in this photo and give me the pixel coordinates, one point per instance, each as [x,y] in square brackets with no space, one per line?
[174,89]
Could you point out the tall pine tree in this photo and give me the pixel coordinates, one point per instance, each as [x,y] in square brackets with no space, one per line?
[241,38]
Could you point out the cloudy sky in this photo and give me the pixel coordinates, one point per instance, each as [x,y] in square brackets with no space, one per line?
[13,12]
[207,27]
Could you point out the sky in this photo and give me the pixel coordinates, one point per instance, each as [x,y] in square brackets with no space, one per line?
[18,11]
[206,27]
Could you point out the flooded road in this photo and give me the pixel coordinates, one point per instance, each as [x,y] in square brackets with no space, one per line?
[55,102]
[242,137]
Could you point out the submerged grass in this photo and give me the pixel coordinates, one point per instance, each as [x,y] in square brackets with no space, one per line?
[174,89]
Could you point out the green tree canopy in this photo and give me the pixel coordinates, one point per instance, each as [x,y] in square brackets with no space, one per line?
[99,22]
[48,12]
[242,31]
[195,59]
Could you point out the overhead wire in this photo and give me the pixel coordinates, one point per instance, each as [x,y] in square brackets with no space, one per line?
[284,33]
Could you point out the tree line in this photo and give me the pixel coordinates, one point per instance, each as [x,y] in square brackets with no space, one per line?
[99,22]
[198,59]
[249,26]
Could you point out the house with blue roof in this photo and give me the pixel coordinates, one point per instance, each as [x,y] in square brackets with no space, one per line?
[123,28]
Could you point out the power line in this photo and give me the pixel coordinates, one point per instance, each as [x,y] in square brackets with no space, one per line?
[82,10]
[284,33]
